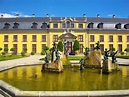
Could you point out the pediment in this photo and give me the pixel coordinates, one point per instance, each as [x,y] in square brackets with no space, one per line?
[67,36]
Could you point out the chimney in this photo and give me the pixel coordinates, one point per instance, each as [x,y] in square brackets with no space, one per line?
[98,16]
[33,15]
[47,15]
[84,15]
[17,15]
[113,16]
[2,16]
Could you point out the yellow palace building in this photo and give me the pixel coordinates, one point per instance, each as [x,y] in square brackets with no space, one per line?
[34,33]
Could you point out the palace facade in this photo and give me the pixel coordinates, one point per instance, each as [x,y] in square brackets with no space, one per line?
[34,33]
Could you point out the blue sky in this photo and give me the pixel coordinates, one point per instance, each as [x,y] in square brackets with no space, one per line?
[75,8]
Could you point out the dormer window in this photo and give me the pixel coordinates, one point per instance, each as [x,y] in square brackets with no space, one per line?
[118,26]
[55,25]
[15,25]
[100,25]
[126,26]
[7,25]
[34,25]
[44,25]
[68,24]
[90,25]
[72,25]
[63,25]
[80,25]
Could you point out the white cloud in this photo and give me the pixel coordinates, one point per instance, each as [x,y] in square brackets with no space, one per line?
[13,14]
[6,15]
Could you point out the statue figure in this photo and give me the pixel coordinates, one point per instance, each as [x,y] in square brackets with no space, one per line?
[106,54]
[65,46]
[53,50]
[98,46]
[113,56]
[86,53]
[82,64]
[57,55]
[47,58]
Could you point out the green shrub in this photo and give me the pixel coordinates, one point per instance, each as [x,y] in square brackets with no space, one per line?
[6,50]
[60,46]
[0,49]
[127,50]
[23,53]
[43,53]
[102,53]
[32,53]
[122,53]
[45,48]
[113,49]
[25,50]
[3,53]
[76,45]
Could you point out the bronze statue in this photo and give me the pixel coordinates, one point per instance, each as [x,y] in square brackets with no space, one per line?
[65,46]
[86,53]
[47,58]
[97,46]
[106,54]
[57,55]
[113,56]
[53,50]
[82,64]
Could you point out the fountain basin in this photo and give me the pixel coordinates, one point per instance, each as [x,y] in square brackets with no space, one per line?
[72,82]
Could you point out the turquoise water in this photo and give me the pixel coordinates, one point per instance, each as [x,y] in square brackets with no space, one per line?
[31,78]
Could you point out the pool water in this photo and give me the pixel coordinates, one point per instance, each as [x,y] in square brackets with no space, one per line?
[30,78]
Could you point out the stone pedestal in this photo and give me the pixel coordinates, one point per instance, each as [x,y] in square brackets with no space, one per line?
[109,67]
[94,59]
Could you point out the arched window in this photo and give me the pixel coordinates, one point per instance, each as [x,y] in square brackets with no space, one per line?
[90,25]
[100,25]
[118,26]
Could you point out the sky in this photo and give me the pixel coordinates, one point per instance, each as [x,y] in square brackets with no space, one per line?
[65,8]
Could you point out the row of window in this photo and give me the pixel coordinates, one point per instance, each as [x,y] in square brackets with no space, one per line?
[120,49]
[24,38]
[34,47]
[64,25]
[55,38]
[100,26]
[110,38]
[34,38]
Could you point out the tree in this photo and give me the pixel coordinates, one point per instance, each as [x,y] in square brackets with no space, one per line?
[6,50]
[0,49]
[25,50]
[12,50]
[76,45]
[46,48]
[127,51]
[60,46]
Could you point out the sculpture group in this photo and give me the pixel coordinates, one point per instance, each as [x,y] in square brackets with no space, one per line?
[92,59]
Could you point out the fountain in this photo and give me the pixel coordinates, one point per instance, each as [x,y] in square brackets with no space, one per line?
[56,63]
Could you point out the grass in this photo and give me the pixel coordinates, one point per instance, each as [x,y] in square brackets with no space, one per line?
[4,58]
[75,57]
[123,57]
[70,58]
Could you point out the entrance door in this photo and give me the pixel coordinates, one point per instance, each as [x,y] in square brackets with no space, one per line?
[69,47]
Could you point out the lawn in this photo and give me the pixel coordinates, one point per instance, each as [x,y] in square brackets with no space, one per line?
[3,58]
[123,57]
[70,58]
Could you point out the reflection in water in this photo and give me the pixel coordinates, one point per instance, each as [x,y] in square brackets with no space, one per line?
[72,79]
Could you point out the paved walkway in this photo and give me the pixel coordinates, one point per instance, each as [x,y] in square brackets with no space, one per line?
[34,59]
